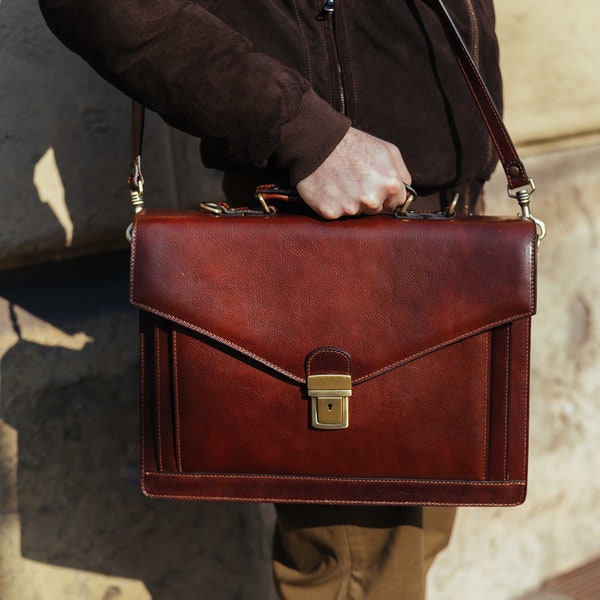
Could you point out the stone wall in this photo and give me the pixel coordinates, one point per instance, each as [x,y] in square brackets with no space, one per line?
[497,554]
[73,524]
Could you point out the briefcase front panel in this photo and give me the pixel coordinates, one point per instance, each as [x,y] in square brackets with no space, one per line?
[433,315]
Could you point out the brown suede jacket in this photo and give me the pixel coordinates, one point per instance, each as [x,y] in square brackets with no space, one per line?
[279,82]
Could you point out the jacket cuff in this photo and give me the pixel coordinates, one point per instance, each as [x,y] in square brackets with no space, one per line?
[309,137]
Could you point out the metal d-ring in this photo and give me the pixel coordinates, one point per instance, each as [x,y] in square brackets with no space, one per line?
[411,194]
[268,209]
[212,207]
[451,210]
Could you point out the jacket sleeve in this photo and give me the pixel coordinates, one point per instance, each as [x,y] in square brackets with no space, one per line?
[202,77]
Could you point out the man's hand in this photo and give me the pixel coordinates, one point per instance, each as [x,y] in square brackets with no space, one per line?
[363,174]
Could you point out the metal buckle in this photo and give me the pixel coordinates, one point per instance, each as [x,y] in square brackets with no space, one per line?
[402,212]
[222,208]
[329,395]
[136,192]
[411,194]
[523,195]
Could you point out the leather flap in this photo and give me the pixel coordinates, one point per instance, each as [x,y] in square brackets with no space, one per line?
[385,290]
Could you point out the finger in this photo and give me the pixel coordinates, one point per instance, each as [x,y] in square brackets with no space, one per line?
[372,204]
[400,165]
[397,195]
[372,210]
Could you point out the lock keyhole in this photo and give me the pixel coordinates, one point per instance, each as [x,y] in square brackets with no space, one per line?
[330,407]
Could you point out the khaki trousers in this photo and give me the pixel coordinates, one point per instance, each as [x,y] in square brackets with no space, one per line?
[357,552]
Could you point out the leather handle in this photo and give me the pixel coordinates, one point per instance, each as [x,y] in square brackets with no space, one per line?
[514,169]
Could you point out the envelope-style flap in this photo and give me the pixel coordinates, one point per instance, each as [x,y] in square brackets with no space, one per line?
[385,290]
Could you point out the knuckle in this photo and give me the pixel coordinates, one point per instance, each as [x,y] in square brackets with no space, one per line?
[371,204]
[371,208]
[394,151]
[351,210]
[330,214]
[394,187]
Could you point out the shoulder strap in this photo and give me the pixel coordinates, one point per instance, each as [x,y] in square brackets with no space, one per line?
[520,186]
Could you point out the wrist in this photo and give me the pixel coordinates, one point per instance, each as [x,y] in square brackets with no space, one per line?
[309,137]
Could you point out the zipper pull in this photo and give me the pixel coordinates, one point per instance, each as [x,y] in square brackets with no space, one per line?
[327,10]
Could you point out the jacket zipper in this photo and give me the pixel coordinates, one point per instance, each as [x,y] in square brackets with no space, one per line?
[475,32]
[327,14]
[327,10]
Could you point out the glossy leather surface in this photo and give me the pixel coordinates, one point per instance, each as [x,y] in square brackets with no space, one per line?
[434,316]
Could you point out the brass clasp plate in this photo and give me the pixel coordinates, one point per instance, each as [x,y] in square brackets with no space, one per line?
[329,400]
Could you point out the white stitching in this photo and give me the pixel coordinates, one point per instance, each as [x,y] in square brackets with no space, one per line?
[335,351]
[157,391]
[282,371]
[518,483]
[142,400]
[384,480]
[442,345]
[506,395]
[487,416]
[176,401]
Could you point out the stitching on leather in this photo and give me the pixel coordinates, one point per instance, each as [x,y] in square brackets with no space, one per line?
[484,115]
[298,379]
[496,117]
[329,501]
[526,412]
[218,338]
[443,345]
[132,260]
[506,395]
[362,379]
[382,480]
[158,395]
[176,401]
[328,351]
[485,471]
[142,401]
[533,251]
[518,483]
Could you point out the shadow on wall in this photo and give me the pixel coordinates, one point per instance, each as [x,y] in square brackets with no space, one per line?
[76,415]
[56,109]
[64,156]
[68,345]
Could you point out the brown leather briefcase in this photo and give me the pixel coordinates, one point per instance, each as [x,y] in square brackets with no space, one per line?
[371,360]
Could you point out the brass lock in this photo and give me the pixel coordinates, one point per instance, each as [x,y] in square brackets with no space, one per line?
[329,400]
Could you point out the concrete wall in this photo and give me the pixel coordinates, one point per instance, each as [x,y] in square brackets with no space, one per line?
[65,150]
[72,521]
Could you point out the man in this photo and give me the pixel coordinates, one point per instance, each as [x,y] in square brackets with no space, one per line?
[348,101]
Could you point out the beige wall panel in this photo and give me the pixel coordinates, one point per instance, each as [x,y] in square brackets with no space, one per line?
[551,65]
